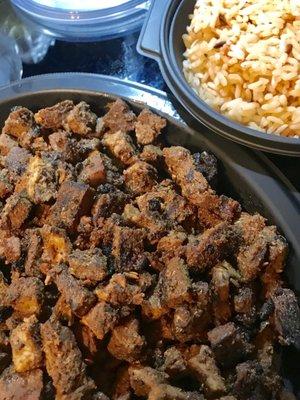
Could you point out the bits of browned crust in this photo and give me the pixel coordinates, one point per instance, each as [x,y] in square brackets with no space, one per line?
[74,199]
[148,126]
[124,275]
[26,345]
[28,385]
[119,117]
[63,360]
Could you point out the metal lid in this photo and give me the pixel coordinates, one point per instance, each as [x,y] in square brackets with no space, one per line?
[75,20]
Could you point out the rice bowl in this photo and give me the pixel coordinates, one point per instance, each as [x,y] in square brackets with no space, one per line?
[242,58]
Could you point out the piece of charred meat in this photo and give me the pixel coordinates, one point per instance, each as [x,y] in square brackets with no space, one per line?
[125,274]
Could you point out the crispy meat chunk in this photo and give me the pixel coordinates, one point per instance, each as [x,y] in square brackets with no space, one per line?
[168,392]
[181,166]
[102,319]
[73,200]
[189,323]
[164,201]
[102,235]
[25,386]
[128,249]
[86,146]
[160,210]
[204,366]
[144,379]
[125,289]
[207,164]
[109,200]
[42,179]
[26,345]
[148,127]
[268,251]
[214,245]
[6,144]
[287,316]
[149,382]
[62,311]
[81,300]
[6,185]
[113,175]
[171,290]
[221,288]
[250,226]
[88,265]
[80,119]
[172,245]
[16,161]
[213,209]
[119,117]
[244,306]
[152,155]
[126,343]
[16,211]
[25,295]
[34,253]
[229,344]
[140,177]
[120,145]
[63,360]
[93,170]
[54,117]
[10,247]
[56,246]
[248,382]
[63,143]
[19,122]
[174,364]
[154,306]
[176,283]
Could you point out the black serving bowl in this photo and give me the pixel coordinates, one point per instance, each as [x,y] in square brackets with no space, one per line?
[161,39]
[244,174]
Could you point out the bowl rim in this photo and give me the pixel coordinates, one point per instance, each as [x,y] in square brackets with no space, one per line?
[199,108]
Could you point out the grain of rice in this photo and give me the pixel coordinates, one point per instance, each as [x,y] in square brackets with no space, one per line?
[242,58]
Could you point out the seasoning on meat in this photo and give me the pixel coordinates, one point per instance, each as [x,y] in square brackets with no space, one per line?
[73,200]
[140,177]
[80,299]
[25,295]
[63,360]
[26,345]
[88,265]
[148,126]
[126,343]
[124,273]
[19,122]
[119,117]
[121,147]
[6,144]
[54,117]
[80,119]
[93,170]
[28,385]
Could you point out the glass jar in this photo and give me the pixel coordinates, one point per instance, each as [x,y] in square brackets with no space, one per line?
[89,20]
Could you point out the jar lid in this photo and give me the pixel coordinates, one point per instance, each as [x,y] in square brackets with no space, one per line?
[77,20]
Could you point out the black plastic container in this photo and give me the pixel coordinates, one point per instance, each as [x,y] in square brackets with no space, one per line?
[245,174]
[161,39]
